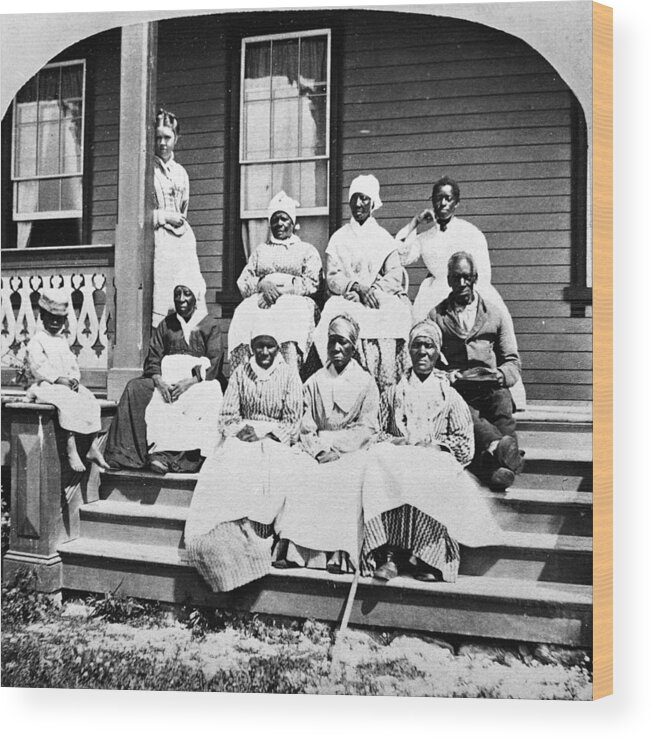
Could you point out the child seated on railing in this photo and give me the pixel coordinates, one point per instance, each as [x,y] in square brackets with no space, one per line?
[54,375]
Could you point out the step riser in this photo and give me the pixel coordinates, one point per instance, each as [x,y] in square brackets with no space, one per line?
[527,565]
[148,493]
[545,520]
[572,521]
[375,606]
[557,427]
[499,562]
[160,534]
[551,481]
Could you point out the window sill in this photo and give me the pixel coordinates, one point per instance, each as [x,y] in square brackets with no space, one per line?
[582,296]
[579,297]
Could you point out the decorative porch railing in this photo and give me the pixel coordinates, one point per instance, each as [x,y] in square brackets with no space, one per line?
[89,325]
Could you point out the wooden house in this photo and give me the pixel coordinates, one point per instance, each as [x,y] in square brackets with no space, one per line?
[406,96]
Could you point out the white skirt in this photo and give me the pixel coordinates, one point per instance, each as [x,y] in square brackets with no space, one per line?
[293,318]
[243,480]
[79,411]
[324,512]
[190,423]
[432,481]
[173,255]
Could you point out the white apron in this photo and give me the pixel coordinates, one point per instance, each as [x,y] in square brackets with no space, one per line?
[190,423]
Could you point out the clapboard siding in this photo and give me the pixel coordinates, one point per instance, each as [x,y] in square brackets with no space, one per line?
[418,97]
[103,86]
[191,78]
[427,97]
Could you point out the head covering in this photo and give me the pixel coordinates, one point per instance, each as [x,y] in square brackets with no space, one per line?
[282,202]
[367,185]
[426,329]
[264,325]
[345,326]
[54,301]
[191,279]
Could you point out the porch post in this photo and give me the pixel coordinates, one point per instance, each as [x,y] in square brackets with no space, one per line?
[134,238]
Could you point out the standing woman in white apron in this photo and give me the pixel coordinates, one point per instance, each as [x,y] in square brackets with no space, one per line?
[175,247]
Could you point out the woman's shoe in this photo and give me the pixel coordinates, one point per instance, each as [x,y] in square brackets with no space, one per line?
[158,466]
[284,564]
[426,575]
[387,570]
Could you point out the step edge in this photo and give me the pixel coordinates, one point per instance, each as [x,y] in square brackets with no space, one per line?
[506,589]
[119,513]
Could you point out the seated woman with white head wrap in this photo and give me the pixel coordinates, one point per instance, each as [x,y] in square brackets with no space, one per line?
[418,499]
[167,417]
[365,278]
[242,485]
[182,416]
[280,278]
[321,522]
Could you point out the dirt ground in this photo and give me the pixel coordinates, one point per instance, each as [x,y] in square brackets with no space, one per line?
[72,648]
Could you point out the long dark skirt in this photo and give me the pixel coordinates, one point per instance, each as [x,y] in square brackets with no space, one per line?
[126,445]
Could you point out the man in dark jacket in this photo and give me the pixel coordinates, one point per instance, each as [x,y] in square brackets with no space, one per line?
[480,348]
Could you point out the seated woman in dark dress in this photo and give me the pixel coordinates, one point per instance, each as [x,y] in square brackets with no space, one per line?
[173,430]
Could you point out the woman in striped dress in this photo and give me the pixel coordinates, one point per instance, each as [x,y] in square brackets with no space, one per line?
[241,487]
[417,498]
[321,522]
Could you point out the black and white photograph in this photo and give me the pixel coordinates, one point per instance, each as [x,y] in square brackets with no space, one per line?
[297,350]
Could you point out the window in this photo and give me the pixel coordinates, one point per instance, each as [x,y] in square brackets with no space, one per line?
[284,128]
[48,156]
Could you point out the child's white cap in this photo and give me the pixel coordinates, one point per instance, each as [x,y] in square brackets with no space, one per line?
[54,301]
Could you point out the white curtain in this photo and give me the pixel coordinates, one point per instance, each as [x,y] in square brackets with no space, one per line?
[254,232]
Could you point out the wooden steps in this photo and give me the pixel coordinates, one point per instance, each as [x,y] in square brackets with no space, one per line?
[489,607]
[534,586]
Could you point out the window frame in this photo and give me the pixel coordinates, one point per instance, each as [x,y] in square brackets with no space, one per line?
[50,215]
[313,210]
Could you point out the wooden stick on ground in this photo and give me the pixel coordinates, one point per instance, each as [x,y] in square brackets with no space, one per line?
[335,654]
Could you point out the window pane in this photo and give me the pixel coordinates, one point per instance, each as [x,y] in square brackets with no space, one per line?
[71,194]
[71,143]
[49,94]
[285,68]
[286,176]
[48,148]
[27,93]
[48,195]
[257,77]
[313,63]
[25,158]
[313,125]
[257,186]
[314,184]
[71,81]
[256,130]
[26,113]
[27,196]
[285,122]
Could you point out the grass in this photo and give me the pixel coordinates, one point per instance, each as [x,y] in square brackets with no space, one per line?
[114,643]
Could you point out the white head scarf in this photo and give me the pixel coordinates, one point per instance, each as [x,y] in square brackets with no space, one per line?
[192,280]
[367,185]
[282,202]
